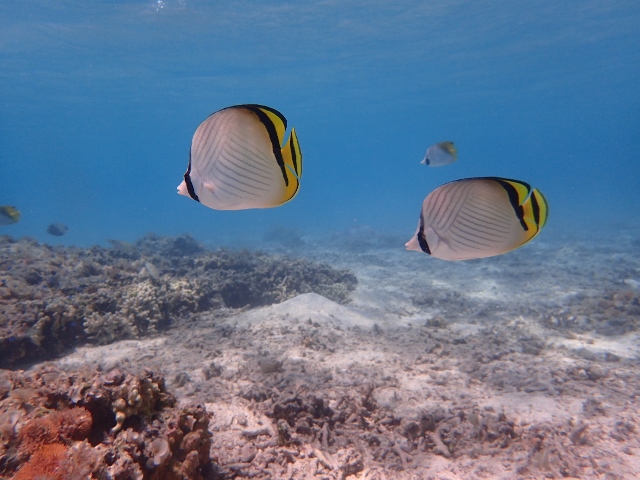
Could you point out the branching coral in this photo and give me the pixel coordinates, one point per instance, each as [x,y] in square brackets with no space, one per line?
[136,396]
[105,327]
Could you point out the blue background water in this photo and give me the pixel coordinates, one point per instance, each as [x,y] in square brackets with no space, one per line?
[99,101]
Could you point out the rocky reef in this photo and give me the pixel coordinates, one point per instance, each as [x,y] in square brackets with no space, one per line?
[53,298]
[110,426]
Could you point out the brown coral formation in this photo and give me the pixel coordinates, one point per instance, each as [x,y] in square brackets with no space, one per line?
[69,428]
[53,298]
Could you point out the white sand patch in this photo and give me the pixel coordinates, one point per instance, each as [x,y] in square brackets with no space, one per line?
[633,283]
[466,329]
[304,308]
[528,408]
[111,356]
[624,346]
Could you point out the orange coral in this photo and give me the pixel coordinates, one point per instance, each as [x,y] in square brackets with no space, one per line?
[38,432]
[45,462]
[73,424]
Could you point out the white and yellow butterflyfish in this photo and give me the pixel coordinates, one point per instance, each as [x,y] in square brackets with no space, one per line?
[442,153]
[240,159]
[479,217]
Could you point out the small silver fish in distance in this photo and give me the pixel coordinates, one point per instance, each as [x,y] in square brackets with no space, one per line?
[442,153]
[57,229]
[478,217]
[240,159]
[9,215]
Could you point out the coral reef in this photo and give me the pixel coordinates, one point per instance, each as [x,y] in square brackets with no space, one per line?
[458,370]
[53,298]
[112,426]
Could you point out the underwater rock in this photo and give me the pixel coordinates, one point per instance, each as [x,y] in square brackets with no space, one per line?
[55,298]
[611,313]
[123,249]
[270,365]
[184,245]
[71,428]
[57,229]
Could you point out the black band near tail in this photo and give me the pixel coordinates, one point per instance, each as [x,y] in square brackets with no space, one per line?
[294,158]
[535,207]
[273,135]
[512,193]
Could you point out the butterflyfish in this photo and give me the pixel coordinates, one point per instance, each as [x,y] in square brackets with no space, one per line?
[57,229]
[9,215]
[442,153]
[479,217]
[240,159]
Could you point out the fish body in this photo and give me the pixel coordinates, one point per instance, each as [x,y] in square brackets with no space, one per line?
[240,159]
[479,217]
[57,229]
[442,153]
[9,215]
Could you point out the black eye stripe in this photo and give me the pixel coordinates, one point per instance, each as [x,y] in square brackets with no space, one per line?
[422,241]
[187,181]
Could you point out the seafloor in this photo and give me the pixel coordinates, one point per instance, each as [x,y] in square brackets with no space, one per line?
[520,366]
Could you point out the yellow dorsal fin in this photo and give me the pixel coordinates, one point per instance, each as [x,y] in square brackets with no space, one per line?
[277,122]
[522,189]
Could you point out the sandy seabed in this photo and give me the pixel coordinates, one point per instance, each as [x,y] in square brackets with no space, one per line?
[520,366]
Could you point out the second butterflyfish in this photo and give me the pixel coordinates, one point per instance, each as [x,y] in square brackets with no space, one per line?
[442,153]
[241,159]
[479,217]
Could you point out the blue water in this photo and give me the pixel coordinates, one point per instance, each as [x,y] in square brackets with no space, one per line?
[99,101]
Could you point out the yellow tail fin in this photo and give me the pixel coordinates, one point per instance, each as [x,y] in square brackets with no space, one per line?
[292,157]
